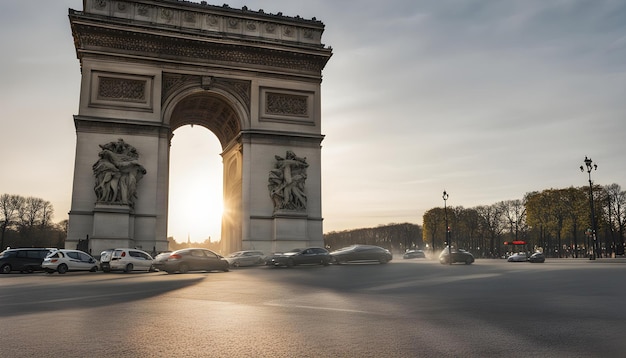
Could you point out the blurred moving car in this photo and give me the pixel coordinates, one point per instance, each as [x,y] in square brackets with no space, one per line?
[63,260]
[126,260]
[308,256]
[518,257]
[24,260]
[538,257]
[458,255]
[414,254]
[191,259]
[355,253]
[246,258]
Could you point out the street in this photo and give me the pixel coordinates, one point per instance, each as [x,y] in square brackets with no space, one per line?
[407,308]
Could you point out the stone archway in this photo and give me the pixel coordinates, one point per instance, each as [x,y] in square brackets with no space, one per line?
[253,79]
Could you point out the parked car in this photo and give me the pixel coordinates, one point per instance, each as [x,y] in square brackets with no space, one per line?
[246,258]
[191,259]
[126,260]
[518,257]
[458,255]
[63,260]
[414,254]
[23,260]
[537,257]
[308,256]
[361,253]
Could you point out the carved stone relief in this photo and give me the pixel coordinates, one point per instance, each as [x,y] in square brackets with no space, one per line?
[286,182]
[117,173]
[122,89]
[286,104]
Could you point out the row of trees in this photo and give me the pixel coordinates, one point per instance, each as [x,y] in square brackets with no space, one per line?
[394,237]
[557,221]
[27,222]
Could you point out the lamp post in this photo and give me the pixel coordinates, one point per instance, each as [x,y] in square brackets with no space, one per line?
[589,166]
[445,213]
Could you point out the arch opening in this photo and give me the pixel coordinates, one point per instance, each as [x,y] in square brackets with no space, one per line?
[195,203]
[199,197]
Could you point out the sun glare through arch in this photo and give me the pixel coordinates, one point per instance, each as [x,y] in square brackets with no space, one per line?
[195,203]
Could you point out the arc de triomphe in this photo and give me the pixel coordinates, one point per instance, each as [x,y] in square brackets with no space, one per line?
[252,78]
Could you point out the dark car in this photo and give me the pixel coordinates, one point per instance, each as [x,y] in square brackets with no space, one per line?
[191,259]
[537,257]
[23,260]
[414,254]
[356,253]
[309,256]
[458,255]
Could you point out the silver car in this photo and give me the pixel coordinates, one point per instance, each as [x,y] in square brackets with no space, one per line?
[246,258]
[126,260]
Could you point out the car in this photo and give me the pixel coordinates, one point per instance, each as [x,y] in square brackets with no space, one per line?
[414,254]
[64,260]
[458,255]
[308,256]
[191,259]
[518,257]
[538,257]
[126,260]
[246,258]
[361,253]
[26,260]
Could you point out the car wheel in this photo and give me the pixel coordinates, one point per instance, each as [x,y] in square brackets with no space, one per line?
[128,268]
[152,269]
[236,264]
[5,268]
[94,269]
[468,261]
[290,263]
[383,260]
[325,262]
[183,268]
[226,269]
[62,269]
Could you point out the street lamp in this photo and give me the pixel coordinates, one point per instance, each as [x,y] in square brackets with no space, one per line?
[589,167]
[445,213]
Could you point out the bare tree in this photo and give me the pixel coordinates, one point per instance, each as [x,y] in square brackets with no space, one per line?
[10,207]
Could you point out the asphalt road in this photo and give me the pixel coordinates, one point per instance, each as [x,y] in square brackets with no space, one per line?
[407,308]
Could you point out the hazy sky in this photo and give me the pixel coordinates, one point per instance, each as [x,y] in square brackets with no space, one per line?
[487,99]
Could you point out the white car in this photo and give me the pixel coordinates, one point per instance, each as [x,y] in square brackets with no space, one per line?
[63,260]
[126,260]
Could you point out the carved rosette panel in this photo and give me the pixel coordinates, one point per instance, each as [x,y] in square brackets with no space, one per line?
[286,183]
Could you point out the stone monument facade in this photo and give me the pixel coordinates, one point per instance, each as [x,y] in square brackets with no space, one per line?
[252,78]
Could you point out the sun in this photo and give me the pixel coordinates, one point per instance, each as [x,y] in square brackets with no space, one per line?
[195,204]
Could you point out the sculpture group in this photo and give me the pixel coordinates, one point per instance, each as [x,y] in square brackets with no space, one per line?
[286,182]
[117,173]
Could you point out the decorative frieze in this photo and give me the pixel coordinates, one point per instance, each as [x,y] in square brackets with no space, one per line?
[286,104]
[122,89]
[214,18]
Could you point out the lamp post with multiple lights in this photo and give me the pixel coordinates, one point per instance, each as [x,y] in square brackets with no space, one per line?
[445,213]
[589,166]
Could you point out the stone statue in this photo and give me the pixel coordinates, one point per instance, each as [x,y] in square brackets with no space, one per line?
[286,182]
[117,173]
